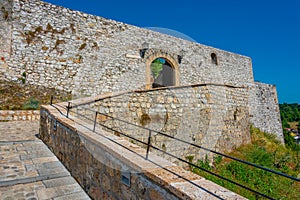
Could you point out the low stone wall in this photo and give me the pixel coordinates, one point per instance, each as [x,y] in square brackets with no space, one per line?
[19,115]
[109,167]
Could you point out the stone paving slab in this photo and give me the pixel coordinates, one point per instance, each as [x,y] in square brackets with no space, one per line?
[77,196]
[18,130]
[28,169]
[59,182]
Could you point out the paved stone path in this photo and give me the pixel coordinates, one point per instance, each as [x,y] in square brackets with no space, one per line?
[29,170]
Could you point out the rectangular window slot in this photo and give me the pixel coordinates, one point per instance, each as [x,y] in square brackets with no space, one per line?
[125,178]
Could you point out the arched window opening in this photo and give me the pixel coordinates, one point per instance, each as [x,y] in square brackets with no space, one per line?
[214,59]
[162,73]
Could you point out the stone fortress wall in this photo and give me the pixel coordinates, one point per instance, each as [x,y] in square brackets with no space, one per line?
[89,55]
[5,35]
[264,109]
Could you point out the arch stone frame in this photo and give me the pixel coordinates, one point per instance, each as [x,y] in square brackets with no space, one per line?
[171,58]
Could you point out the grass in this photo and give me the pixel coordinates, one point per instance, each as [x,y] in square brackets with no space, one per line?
[266,151]
[22,96]
[31,104]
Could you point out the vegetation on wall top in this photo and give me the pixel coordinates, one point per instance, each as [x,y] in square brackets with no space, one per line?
[21,96]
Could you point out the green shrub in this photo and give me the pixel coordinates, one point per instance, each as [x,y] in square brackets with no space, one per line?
[31,104]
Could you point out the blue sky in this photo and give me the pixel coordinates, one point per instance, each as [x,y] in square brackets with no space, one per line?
[268,31]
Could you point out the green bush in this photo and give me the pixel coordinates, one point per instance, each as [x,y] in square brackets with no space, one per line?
[31,104]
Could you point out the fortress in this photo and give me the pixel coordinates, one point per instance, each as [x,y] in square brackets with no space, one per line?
[211,97]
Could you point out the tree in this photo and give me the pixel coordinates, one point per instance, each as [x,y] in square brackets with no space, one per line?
[290,112]
[156,67]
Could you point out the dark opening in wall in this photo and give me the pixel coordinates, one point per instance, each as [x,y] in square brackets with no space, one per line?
[214,59]
[163,73]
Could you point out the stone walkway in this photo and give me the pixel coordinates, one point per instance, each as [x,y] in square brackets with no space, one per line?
[29,170]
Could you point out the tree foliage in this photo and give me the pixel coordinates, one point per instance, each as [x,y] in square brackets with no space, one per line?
[156,67]
[290,113]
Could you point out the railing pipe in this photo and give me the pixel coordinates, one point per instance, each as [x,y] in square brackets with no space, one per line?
[209,150]
[95,121]
[148,144]
[182,160]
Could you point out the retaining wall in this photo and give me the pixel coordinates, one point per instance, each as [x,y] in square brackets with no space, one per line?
[19,115]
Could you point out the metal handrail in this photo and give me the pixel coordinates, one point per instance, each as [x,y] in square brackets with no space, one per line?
[206,149]
[198,146]
[72,105]
[158,89]
[182,160]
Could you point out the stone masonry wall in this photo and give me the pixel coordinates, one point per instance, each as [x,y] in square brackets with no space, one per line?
[5,34]
[264,109]
[89,55]
[108,167]
[212,116]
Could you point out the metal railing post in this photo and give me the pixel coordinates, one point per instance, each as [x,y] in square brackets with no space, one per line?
[68,109]
[95,121]
[148,145]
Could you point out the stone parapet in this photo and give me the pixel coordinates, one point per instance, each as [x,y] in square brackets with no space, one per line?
[19,115]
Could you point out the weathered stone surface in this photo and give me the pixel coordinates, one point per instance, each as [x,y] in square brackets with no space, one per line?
[264,109]
[185,113]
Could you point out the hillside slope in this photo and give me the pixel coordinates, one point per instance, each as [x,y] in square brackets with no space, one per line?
[266,151]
